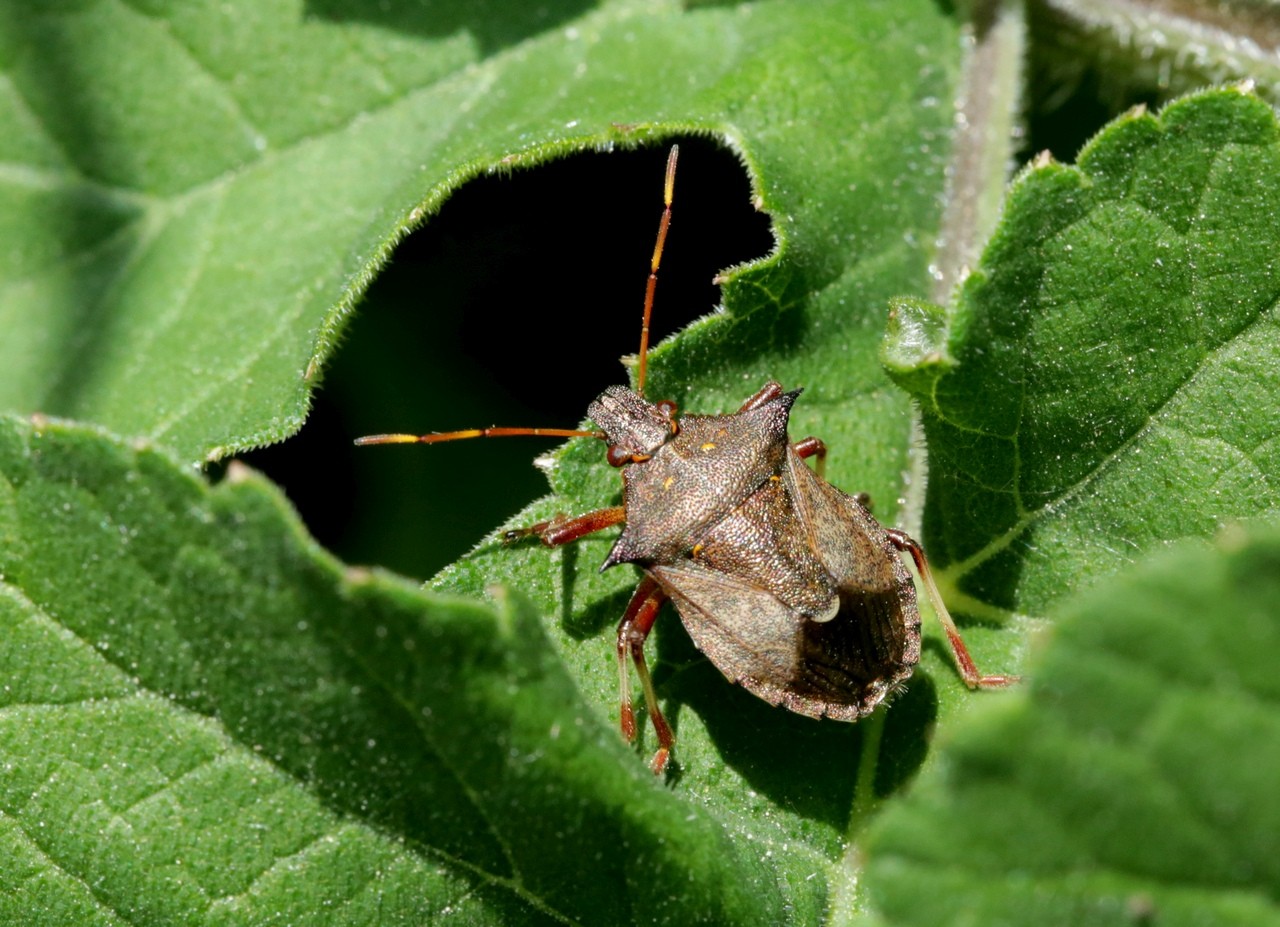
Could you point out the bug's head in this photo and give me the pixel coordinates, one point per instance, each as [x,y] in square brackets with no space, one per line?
[633,427]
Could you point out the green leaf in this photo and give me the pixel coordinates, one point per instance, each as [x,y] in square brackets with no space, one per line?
[810,316]
[1153,49]
[1132,782]
[205,720]
[1106,380]
[182,262]
[1105,386]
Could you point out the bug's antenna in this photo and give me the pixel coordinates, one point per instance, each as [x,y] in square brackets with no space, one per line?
[668,192]
[441,436]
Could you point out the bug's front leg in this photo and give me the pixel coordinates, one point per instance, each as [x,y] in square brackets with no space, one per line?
[767,393]
[812,447]
[563,530]
[633,630]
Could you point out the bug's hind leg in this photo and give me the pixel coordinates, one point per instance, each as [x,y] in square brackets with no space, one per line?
[815,448]
[964,662]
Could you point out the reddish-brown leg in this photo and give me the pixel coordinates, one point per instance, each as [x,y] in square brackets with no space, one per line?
[633,630]
[563,529]
[771,390]
[812,447]
[968,671]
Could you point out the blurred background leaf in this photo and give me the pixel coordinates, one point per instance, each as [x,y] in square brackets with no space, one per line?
[1132,781]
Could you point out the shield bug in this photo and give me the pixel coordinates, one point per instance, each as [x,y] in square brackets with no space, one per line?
[787,584]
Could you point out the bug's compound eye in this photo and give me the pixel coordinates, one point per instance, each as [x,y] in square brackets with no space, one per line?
[668,408]
[620,456]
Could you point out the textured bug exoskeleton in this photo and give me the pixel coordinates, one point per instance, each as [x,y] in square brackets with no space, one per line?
[787,584]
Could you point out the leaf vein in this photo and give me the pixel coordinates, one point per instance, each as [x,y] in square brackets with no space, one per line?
[175,308]
[162,29]
[378,680]
[89,886]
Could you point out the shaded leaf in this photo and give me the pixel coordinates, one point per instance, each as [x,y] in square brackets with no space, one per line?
[859,231]
[182,262]
[195,687]
[194,256]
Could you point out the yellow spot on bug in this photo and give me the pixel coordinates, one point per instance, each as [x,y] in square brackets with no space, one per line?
[708,446]
[697,549]
[775,478]
[666,484]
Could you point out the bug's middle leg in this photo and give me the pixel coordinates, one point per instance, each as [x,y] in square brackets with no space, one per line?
[633,630]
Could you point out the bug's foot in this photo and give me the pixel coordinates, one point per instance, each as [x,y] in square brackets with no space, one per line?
[628,723]
[516,535]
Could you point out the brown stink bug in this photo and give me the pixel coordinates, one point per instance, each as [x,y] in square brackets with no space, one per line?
[787,584]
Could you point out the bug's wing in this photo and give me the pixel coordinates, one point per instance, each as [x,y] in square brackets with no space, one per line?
[865,566]
[829,668]
[853,547]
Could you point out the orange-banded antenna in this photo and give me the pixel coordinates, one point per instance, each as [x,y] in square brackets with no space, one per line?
[442,436]
[668,193]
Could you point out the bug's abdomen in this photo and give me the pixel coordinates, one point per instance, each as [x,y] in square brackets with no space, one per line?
[824,631]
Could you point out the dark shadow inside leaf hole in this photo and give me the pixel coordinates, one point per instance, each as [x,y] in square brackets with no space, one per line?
[512,306]
[1075,85]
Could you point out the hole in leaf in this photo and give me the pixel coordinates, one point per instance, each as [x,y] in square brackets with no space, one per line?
[511,306]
